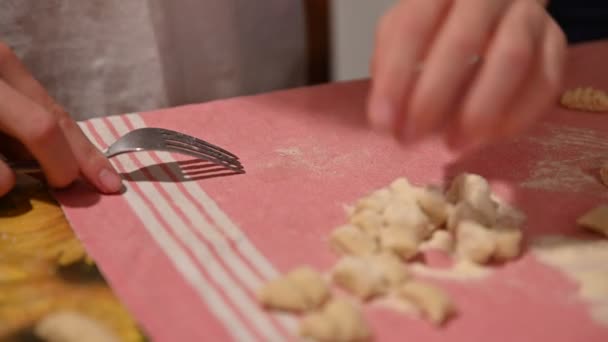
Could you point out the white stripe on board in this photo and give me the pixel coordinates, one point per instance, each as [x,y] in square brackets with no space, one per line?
[240,299]
[244,245]
[219,216]
[180,259]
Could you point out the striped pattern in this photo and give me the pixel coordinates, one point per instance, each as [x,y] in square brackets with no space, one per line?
[205,246]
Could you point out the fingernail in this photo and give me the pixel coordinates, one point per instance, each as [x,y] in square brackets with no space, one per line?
[382,114]
[110,181]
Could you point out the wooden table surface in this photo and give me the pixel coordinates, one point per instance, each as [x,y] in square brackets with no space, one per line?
[44,269]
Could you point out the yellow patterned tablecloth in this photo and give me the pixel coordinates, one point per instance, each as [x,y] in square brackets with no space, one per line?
[45,271]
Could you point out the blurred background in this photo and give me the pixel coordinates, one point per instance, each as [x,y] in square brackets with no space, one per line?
[341,37]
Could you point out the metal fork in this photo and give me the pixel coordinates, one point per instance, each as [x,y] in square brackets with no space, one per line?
[155,139]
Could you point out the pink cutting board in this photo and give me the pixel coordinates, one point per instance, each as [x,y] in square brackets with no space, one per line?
[308,152]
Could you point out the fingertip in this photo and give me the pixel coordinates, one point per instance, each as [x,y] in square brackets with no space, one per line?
[109,181]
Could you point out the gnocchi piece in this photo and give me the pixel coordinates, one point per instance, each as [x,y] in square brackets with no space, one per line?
[508,243]
[359,277]
[475,191]
[399,241]
[434,205]
[67,326]
[441,240]
[351,240]
[461,212]
[300,290]
[339,321]
[474,242]
[376,201]
[434,303]
[368,221]
[595,220]
[405,215]
[586,99]
[371,275]
[393,271]
[402,186]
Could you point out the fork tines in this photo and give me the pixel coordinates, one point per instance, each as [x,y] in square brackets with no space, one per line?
[198,148]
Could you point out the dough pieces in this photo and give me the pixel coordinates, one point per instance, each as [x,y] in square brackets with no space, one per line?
[474,191]
[586,99]
[508,242]
[67,326]
[596,220]
[387,229]
[350,240]
[399,241]
[434,303]
[441,240]
[339,321]
[300,290]
[474,242]
[370,276]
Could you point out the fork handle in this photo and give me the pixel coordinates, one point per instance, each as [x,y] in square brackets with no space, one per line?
[24,166]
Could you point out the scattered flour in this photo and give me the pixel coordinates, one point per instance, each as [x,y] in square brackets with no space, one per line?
[566,152]
[585,262]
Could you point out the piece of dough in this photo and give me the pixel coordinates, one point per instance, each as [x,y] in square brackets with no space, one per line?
[368,220]
[67,326]
[369,276]
[463,211]
[434,303]
[475,191]
[596,220]
[399,241]
[300,290]
[376,201]
[393,270]
[339,321]
[351,240]
[586,99]
[407,216]
[508,243]
[441,240]
[402,188]
[474,242]
[434,204]
[358,276]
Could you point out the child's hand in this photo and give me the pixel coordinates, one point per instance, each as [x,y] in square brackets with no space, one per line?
[482,69]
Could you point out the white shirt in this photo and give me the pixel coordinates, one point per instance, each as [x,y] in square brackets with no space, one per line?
[103,57]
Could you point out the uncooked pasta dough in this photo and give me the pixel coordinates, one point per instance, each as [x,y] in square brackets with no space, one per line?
[385,232]
[586,99]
